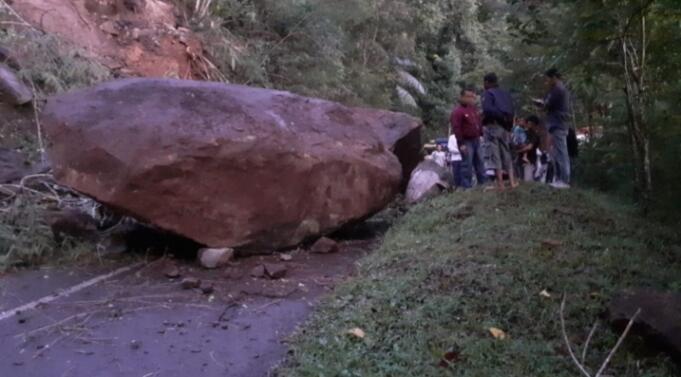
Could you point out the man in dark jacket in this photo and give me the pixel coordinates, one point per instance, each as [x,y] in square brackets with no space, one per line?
[557,107]
[497,117]
[465,122]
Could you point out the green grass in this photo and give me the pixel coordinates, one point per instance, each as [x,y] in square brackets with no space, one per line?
[51,64]
[457,265]
[47,65]
[26,239]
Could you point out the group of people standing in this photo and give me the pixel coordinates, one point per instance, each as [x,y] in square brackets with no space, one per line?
[529,148]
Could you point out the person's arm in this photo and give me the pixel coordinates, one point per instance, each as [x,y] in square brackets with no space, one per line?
[555,100]
[490,111]
[526,148]
[532,143]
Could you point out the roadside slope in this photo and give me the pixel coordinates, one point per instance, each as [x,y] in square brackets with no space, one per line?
[457,266]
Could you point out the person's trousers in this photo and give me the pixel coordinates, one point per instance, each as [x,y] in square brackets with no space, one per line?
[456,173]
[472,161]
[561,158]
[501,151]
[528,172]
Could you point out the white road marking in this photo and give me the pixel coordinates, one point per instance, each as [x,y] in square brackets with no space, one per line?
[78,287]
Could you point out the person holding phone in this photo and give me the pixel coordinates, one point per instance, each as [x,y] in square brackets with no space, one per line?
[556,104]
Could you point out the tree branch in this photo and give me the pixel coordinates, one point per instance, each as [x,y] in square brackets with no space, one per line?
[588,340]
[567,341]
[618,344]
[642,9]
[579,364]
[16,15]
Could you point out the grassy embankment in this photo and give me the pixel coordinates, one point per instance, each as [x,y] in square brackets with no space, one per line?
[456,266]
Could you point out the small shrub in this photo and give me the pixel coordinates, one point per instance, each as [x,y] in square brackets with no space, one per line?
[25,238]
[50,64]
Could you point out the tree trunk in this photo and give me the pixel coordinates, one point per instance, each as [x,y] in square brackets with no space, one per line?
[636,100]
[590,119]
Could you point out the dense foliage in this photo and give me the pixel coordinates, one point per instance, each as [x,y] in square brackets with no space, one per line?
[410,55]
[49,64]
[621,59]
[415,55]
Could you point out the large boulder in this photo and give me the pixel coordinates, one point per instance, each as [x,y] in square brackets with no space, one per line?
[427,180]
[227,165]
[400,134]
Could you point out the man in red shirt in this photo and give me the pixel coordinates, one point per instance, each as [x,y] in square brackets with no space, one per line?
[465,122]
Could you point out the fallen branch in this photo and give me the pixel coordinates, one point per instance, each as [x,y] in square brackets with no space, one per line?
[51,326]
[201,8]
[12,23]
[567,340]
[30,190]
[11,194]
[604,365]
[619,343]
[11,190]
[588,340]
[39,129]
[16,15]
[23,180]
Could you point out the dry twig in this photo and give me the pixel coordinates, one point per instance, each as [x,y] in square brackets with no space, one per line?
[201,8]
[588,340]
[30,190]
[39,129]
[16,15]
[57,324]
[567,340]
[23,180]
[619,343]
[604,365]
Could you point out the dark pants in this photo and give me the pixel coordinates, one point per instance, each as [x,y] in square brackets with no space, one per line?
[472,161]
[457,172]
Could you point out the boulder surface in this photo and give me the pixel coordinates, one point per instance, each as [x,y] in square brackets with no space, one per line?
[659,322]
[228,165]
[427,180]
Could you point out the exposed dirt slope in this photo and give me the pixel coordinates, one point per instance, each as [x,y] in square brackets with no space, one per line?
[131,37]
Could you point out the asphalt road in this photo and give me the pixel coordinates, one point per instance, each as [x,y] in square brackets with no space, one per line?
[142,323]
